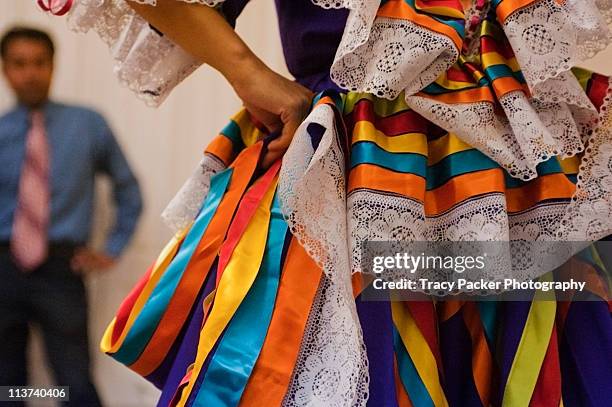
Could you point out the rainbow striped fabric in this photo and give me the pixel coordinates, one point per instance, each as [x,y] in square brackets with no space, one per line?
[219,317]
[396,151]
[483,77]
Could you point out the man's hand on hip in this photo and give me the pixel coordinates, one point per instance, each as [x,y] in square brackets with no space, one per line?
[88,260]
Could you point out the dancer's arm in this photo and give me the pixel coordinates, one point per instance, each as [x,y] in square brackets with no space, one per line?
[203,32]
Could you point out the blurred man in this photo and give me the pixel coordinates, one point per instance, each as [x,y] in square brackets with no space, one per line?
[49,155]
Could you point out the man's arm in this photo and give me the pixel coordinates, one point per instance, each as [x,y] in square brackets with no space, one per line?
[110,160]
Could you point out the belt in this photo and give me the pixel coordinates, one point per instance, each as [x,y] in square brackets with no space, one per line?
[55,249]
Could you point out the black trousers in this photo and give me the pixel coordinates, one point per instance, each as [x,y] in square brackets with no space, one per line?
[54,298]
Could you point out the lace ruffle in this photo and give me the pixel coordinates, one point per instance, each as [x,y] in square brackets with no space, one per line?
[589,216]
[145,61]
[386,56]
[528,132]
[549,37]
[209,3]
[332,369]
[325,373]
[184,207]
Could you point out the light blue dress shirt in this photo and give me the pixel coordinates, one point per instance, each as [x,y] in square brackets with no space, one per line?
[81,145]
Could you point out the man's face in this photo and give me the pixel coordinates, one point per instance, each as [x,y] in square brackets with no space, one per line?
[28,68]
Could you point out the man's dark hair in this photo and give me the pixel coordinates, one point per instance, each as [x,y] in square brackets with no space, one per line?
[28,33]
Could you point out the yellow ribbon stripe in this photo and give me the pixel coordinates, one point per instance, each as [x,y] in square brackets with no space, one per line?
[493,58]
[419,351]
[444,146]
[403,143]
[531,349]
[382,107]
[249,133]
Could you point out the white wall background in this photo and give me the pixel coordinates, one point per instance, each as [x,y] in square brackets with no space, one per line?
[163,146]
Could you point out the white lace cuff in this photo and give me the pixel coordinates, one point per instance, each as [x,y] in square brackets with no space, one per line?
[146,62]
[385,56]
[550,37]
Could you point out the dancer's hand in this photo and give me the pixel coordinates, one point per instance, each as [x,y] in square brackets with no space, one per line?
[277,102]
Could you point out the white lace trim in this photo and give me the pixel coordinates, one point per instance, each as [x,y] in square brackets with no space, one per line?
[374,216]
[605,8]
[327,373]
[589,216]
[550,37]
[184,207]
[329,4]
[530,131]
[384,56]
[332,369]
[146,62]
[210,3]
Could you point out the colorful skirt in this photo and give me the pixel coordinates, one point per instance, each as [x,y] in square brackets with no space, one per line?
[259,300]
[240,309]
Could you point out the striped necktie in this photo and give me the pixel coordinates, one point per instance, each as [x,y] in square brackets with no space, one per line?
[29,244]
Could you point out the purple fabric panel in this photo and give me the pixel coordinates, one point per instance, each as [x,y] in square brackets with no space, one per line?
[586,355]
[310,36]
[188,345]
[377,325]
[456,347]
